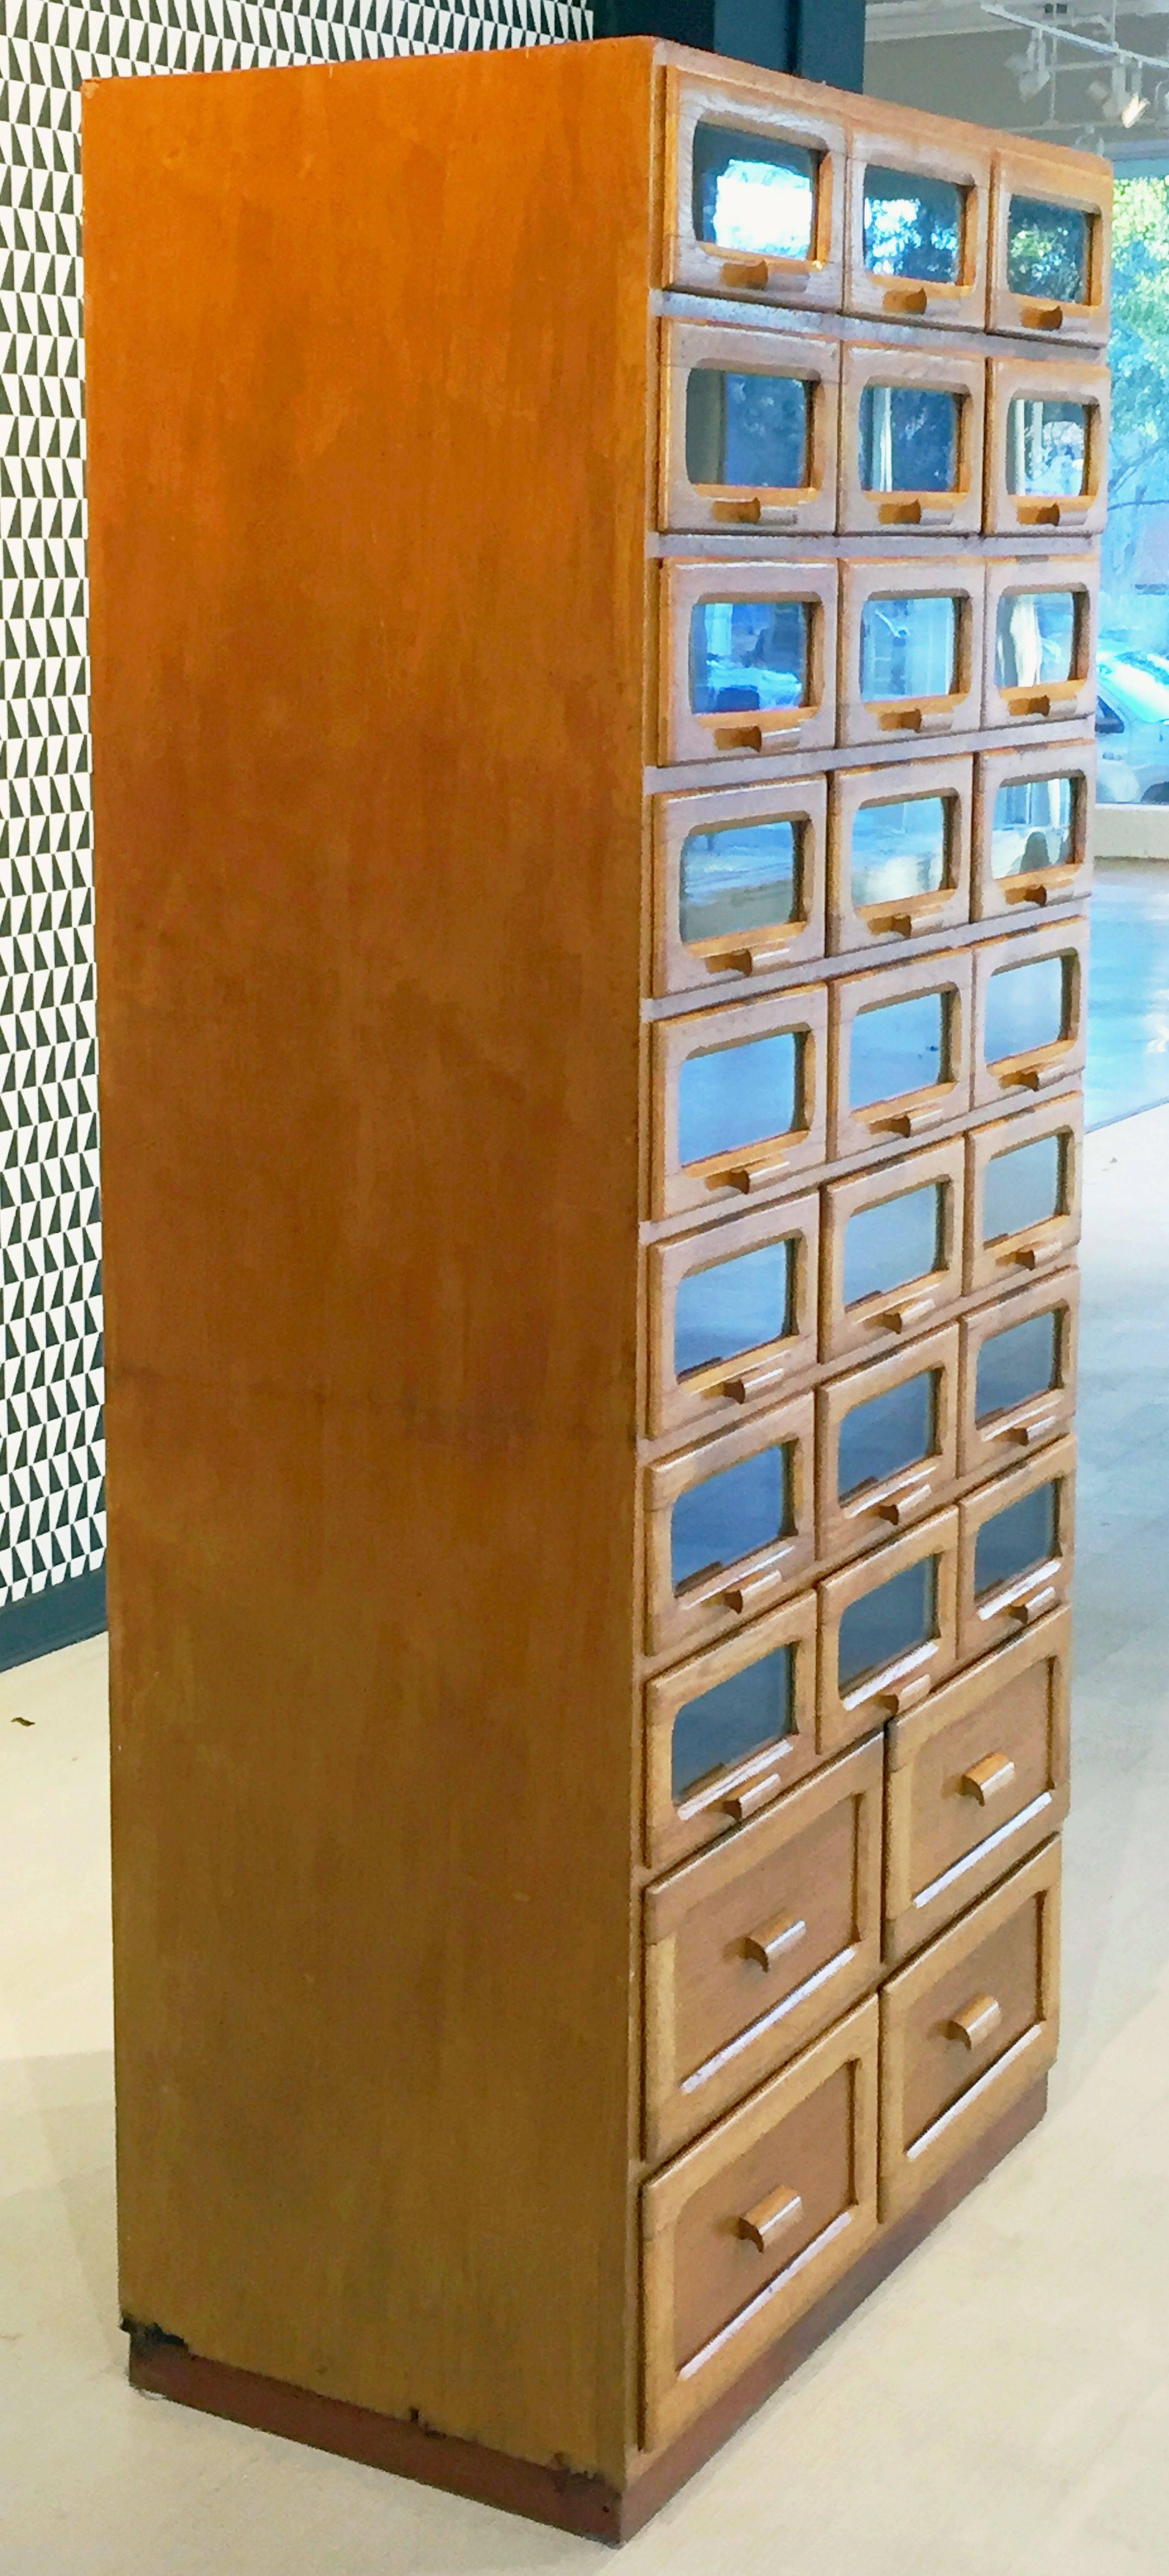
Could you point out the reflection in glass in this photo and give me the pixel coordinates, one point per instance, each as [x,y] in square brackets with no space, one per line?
[1026,1007]
[748,653]
[891,1244]
[1047,250]
[1047,446]
[1017,1364]
[908,439]
[909,647]
[735,1719]
[913,226]
[1032,826]
[1024,1187]
[752,193]
[748,429]
[731,1515]
[737,1095]
[889,1622]
[739,876]
[891,1431]
[1015,1540]
[735,1306]
[1035,638]
[899,849]
[898,1047]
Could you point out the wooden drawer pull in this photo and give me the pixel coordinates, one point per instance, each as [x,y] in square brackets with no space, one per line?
[1030,1077]
[1041,317]
[745,272]
[987,1779]
[1046,889]
[755,1586]
[917,917]
[977,2022]
[906,1695]
[909,1122]
[748,1801]
[1026,1612]
[906,299]
[895,1319]
[746,1177]
[1031,1256]
[909,514]
[775,1940]
[753,737]
[753,961]
[752,1382]
[898,1508]
[1028,1434]
[747,511]
[770,2218]
[1023,705]
[916,720]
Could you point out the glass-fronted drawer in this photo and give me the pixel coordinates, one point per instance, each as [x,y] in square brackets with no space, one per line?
[912,424]
[1032,826]
[918,221]
[910,647]
[891,1244]
[1051,231]
[1046,446]
[728,1731]
[900,1051]
[1040,640]
[898,852]
[1017,1542]
[749,430]
[729,1527]
[748,658]
[1018,1373]
[1030,1010]
[732,1314]
[1023,1186]
[888,1630]
[739,1099]
[738,883]
[886,1444]
[754,192]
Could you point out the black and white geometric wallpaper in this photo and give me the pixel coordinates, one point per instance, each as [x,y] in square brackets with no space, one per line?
[52,1521]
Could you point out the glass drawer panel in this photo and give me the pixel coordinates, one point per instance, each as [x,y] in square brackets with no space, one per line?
[731,1515]
[1026,1007]
[1047,250]
[908,439]
[888,1433]
[725,1725]
[739,1095]
[913,226]
[909,647]
[735,1306]
[1024,1187]
[1032,826]
[897,1047]
[899,850]
[1016,1539]
[898,1240]
[1016,1364]
[1035,640]
[752,193]
[1047,446]
[888,1622]
[748,653]
[748,429]
[739,876]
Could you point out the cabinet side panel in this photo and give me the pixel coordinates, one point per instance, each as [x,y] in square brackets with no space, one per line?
[368,388]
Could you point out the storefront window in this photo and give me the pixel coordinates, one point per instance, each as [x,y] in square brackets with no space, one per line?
[1133,720]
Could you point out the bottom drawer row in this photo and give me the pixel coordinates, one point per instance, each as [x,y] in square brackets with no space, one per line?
[751,2225]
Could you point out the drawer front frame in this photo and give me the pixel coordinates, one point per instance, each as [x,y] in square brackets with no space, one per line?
[1043,701]
[1033,1069]
[715,1604]
[955,513]
[716,1395]
[1030,1248]
[883,1320]
[897,1501]
[925,719]
[726,1800]
[703,268]
[740,734]
[726,1179]
[1024,1599]
[911,1113]
[731,959]
[887,925]
[1018,172]
[1081,514]
[1019,1428]
[909,1679]
[807,509]
[993,898]
[966,162]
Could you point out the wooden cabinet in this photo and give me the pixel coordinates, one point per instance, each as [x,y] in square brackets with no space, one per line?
[1018,1372]
[733,1315]
[886,1444]
[739,1100]
[918,214]
[891,1251]
[1051,229]
[900,1051]
[910,647]
[1032,828]
[748,659]
[1023,1185]
[898,852]
[912,427]
[739,881]
[1030,1012]
[749,430]
[1040,639]
[1046,446]
[754,188]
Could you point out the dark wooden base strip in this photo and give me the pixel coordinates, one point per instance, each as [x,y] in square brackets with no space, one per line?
[563,2497]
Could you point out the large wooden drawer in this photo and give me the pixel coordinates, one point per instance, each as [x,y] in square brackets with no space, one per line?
[974,1782]
[749,2227]
[967,2028]
[751,1949]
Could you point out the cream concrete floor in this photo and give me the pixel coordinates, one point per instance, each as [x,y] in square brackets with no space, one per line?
[1001,2404]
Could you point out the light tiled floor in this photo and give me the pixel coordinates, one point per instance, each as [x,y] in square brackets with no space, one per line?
[1001,2405]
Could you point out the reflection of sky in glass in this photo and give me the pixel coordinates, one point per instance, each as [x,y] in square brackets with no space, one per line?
[1016,1364]
[891,1431]
[891,1244]
[1026,1007]
[899,849]
[1032,826]
[1011,1542]
[734,1306]
[908,439]
[738,1717]
[1047,446]
[752,194]
[1047,250]
[889,1621]
[897,1047]
[912,226]
[733,1096]
[730,1515]
[740,876]
[908,647]
[1023,1187]
[747,429]
[1034,638]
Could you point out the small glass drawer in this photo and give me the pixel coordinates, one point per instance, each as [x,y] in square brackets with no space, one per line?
[728,1731]
[1030,1010]
[749,430]
[900,1051]
[910,647]
[738,883]
[1051,232]
[1040,640]
[912,425]
[1023,1188]
[739,1099]
[898,852]
[732,1315]
[918,220]
[748,659]
[1047,446]
[886,1445]
[1032,827]
[730,1528]
[1018,1373]
[888,1630]
[891,1246]
[754,192]
[1017,1548]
